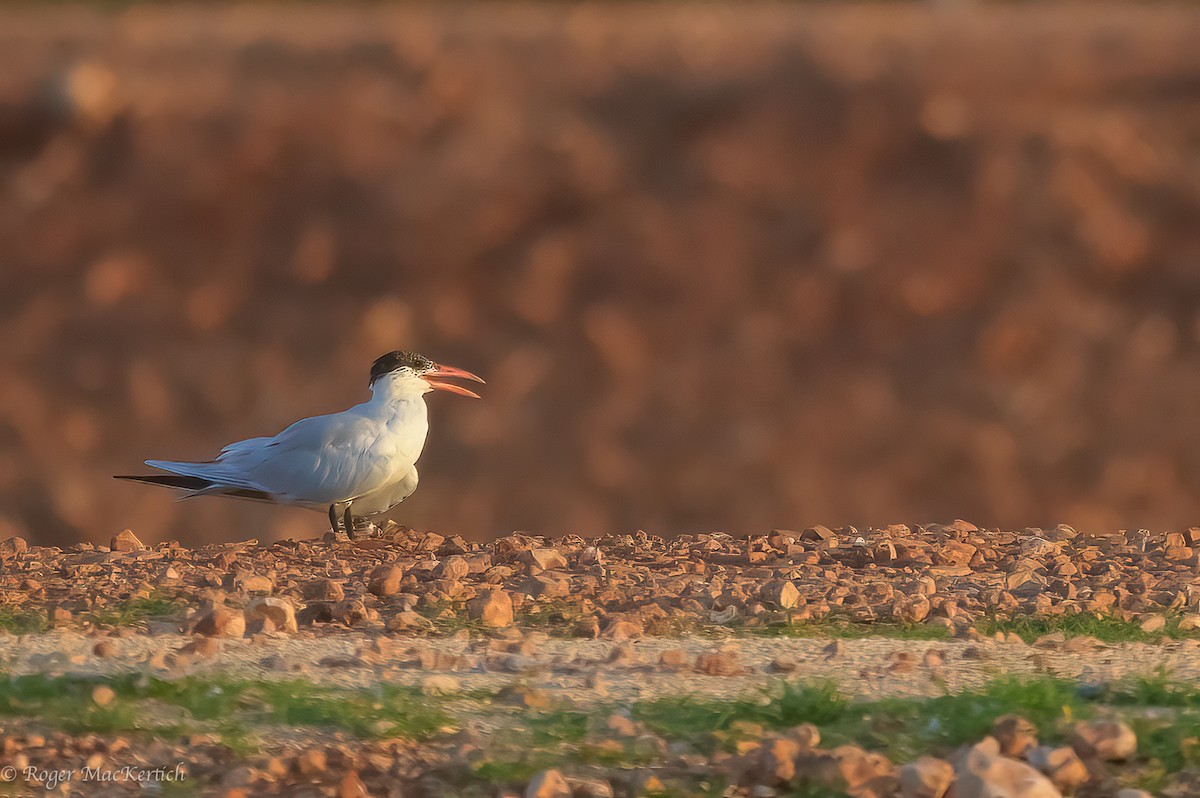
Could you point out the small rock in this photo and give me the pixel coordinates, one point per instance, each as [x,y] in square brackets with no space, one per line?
[105,649]
[723,662]
[385,581]
[239,777]
[1108,740]
[548,784]
[590,788]
[439,684]
[851,770]
[280,662]
[519,663]
[673,658]
[620,630]
[781,594]
[1189,621]
[349,611]
[1015,734]
[777,761]
[323,590]
[351,786]
[493,609]
[545,559]
[453,568]
[983,773]
[1061,765]
[125,540]
[1082,643]
[592,555]
[1153,623]
[10,547]
[408,620]
[912,609]
[587,627]
[440,661]
[254,583]
[312,762]
[528,697]
[724,617]
[783,664]
[598,683]
[807,735]
[220,621]
[202,647]
[1051,640]
[622,725]
[818,532]
[103,695]
[279,611]
[927,777]
[547,585]
[172,662]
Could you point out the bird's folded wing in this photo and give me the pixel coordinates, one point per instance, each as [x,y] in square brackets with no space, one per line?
[319,460]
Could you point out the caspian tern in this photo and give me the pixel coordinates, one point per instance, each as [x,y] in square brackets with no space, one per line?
[357,463]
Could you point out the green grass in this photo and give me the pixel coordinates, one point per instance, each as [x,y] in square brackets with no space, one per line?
[387,711]
[132,612]
[1165,714]
[781,624]
[449,617]
[230,707]
[1106,628]
[850,631]
[556,616]
[129,612]
[19,622]
[903,728]
[66,703]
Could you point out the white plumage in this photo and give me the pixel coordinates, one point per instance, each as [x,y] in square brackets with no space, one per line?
[361,461]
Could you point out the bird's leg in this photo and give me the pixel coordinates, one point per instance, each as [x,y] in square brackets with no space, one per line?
[333,517]
[364,527]
[348,520]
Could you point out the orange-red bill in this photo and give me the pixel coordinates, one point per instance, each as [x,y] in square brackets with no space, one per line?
[452,388]
[450,371]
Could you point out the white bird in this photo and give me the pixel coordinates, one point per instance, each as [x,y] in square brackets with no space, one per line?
[358,463]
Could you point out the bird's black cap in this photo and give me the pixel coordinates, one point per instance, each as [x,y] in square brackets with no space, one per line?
[398,360]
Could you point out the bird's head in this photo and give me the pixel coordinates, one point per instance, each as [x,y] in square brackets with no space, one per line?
[410,373]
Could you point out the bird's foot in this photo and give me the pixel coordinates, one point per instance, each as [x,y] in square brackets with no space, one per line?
[364,528]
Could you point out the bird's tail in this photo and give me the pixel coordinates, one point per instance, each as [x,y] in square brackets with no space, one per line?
[168,481]
[197,486]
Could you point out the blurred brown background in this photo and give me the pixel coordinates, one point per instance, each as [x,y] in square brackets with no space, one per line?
[724,267]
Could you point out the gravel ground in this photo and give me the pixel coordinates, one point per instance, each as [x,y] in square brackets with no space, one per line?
[400,662]
[862,668]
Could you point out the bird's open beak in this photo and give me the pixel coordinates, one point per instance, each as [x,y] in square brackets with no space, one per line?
[449,371]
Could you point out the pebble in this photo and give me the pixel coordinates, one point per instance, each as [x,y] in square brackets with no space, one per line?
[548,784]
[983,772]
[926,777]
[492,609]
[1108,740]
[220,622]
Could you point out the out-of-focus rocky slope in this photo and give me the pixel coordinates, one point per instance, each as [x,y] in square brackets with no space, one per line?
[723,267]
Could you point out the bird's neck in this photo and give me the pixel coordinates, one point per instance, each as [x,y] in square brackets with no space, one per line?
[393,398]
